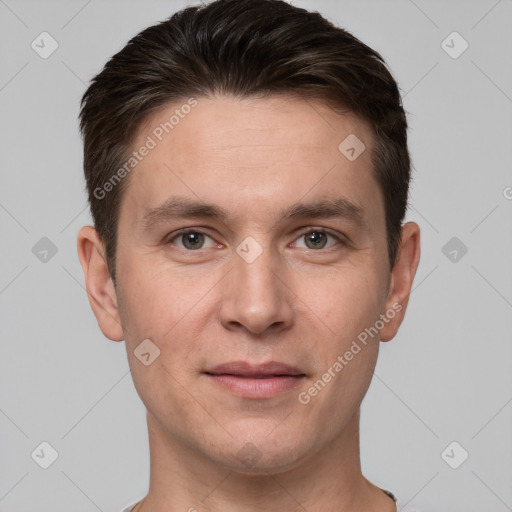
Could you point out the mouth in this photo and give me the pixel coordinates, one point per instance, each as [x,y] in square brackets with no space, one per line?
[255,381]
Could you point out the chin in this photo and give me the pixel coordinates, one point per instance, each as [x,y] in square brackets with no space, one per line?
[261,455]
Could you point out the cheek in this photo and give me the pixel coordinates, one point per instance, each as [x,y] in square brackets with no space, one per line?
[346,302]
[352,301]
[170,309]
[153,308]
[156,299]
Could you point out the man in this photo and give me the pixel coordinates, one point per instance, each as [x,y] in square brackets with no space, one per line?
[248,171]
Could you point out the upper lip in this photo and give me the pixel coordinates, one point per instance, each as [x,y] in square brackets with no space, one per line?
[245,369]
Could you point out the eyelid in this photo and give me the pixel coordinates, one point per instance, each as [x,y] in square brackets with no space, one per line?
[176,234]
[338,236]
[169,239]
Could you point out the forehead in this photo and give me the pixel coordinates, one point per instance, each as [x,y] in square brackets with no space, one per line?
[242,125]
[250,153]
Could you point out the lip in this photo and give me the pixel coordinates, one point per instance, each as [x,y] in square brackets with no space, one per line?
[245,369]
[255,380]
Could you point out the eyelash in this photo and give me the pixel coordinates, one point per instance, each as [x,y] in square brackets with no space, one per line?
[339,239]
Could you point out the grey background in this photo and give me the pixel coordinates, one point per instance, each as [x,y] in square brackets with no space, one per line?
[446,376]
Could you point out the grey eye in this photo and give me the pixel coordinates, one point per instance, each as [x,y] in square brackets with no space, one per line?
[315,239]
[192,240]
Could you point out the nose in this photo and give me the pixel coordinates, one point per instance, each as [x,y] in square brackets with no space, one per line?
[256,299]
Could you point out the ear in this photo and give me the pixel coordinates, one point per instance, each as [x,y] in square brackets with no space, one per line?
[402,277]
[98,283]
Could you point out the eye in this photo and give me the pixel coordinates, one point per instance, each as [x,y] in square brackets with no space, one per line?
[191,240]
[317,239]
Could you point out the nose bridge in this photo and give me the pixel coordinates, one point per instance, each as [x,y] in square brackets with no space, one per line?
[256,297]
[258,276]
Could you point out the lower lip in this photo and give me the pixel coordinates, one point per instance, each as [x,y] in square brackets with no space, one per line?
[256,388]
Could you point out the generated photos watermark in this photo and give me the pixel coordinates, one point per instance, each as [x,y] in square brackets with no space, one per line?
[157,135]
[363,337]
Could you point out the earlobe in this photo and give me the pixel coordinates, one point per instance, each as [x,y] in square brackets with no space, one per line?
[402,277]
[98,283]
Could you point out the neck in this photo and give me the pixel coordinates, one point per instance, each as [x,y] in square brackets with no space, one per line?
[331,480]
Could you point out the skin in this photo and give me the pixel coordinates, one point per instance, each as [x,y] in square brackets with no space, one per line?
[296,303]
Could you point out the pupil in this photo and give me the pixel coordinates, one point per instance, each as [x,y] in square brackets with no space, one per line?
[193,240]
[317,239]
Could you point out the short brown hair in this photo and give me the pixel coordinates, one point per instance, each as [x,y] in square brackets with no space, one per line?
[245,48]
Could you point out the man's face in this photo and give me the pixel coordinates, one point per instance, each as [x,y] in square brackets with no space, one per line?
[278,279]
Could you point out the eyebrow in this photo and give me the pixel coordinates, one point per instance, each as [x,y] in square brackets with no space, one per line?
[184,207]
